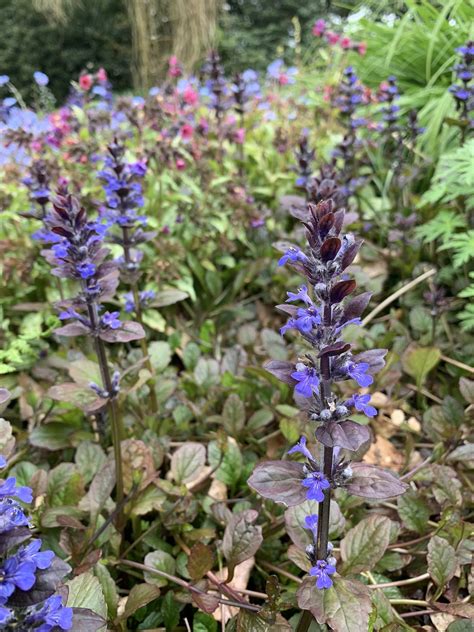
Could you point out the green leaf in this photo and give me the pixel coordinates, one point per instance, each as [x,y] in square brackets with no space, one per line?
[345,606]
[109,589]
[295,522]
[99,490]
[204,623]
[233,415]
[364,545]
[413,511]
[160,355]
[441,560]
[154,320]
[274,345]
[467,389]
[230,459]
[89,459]
[170,609]
[53,436]
[384,612]
[169,297]
[85,591]
[191,355]
[188,462]
[206,372]
[242,538]
[162,561]
[65,485]
[259,419]
[419,361]
[139,596]
[200,561]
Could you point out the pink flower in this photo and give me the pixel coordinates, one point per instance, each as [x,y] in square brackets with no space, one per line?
[85,81]
[180,164]
[319,28]
[362,48]
[346,43]
[283,79]
[187,131]
[102,75]
[327,93]
[332,37]
[174,69]
[190,96]
[239,136]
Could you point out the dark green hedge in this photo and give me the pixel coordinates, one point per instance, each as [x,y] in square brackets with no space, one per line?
[96,33]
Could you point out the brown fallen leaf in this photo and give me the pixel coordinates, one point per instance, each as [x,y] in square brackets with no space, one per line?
[384,454]
[239,582]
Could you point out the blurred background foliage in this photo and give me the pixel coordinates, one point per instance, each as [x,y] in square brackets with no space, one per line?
[133,39]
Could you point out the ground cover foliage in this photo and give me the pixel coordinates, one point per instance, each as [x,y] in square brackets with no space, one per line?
[149,398]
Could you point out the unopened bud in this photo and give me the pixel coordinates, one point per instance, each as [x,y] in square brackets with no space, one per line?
[325,415]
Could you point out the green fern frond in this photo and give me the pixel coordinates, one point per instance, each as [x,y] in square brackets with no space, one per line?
[442,227]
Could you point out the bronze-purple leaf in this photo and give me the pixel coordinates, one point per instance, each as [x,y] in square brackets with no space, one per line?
[355,307]
[350,255]
[374,358]
[9,539]
[128,332]
[242,538]
[370,481]
[291,310]
[330,248]
[206,602]
[279,481]
[325,224]
[281,370]
[342,289]
[73,329]
[334,350]
[47,581]
[346,434]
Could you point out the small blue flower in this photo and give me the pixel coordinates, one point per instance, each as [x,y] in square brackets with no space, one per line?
[51,614]
[11,515]
[8,489]
[301,447]
[41,78]
[86,270]
[5,615]
[300,295]
[31,553]
[321,570]
[294,255]
[358,372]
[311,523]
[60,250]
[15,574]
[316,482]
[112,320]
[3,461]
[4,79]
[307,379]
[361,403]
[306,320]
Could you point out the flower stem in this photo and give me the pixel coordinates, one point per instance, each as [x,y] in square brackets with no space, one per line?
[325,505]
[114,412]
[305,621]
[138,312]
